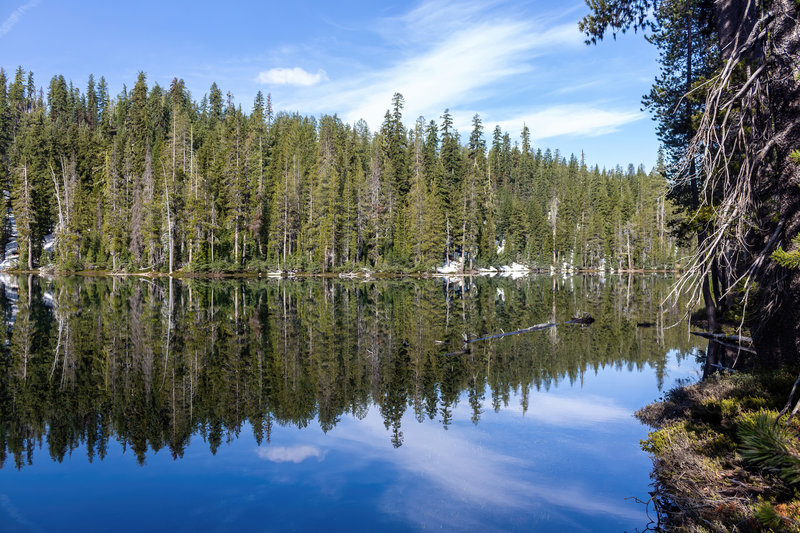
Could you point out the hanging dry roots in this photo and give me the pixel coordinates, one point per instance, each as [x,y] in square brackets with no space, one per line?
[742,143]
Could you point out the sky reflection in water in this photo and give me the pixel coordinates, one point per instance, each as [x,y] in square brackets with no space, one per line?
[562,456]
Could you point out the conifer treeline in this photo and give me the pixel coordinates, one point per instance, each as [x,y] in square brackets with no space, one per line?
[154,180]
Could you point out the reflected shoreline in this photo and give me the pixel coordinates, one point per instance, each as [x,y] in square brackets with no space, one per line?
[355,274]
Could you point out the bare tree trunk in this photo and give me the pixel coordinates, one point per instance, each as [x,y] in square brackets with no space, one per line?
[169,222]
[60,226]
[554,222]
[29,214]
[630,259]
[447,242]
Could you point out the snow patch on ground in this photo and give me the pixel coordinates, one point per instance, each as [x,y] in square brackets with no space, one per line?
[11,256]
[9,262]
[451,268]
[514,267]
[49,243]
[12,250]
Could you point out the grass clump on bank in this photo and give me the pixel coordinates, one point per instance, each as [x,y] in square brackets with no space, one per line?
[721,461]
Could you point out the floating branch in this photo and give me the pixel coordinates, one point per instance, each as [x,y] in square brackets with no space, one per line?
[584,320]
[465,348]
[537,327]
[727,340]
[722,337]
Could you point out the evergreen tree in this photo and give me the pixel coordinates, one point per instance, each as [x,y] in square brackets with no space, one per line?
[152,180]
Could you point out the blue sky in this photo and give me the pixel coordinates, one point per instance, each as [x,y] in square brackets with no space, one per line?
[510,62]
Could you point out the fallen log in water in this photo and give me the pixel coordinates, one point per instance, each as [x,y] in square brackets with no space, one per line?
[722,337]
[467,341]
[585,320]
[729,341]
[537,327]
[734,346]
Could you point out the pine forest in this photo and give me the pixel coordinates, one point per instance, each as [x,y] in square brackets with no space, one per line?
[152,180]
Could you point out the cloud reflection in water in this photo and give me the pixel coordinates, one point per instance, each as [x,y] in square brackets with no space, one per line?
[290,454]
[444,473]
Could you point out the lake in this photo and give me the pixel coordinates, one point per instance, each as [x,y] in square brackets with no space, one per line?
[137,404]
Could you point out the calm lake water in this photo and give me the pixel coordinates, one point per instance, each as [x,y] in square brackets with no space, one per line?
[131,404]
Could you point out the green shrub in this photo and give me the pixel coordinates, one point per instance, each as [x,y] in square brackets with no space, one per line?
[769,445]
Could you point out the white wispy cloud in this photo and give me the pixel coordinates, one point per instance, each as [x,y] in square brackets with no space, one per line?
[12,19]
[573,119]
[290,454]
[291,76]
[448,54]
[508,63]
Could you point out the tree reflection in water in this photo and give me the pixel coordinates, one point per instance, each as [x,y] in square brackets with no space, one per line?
[153,363]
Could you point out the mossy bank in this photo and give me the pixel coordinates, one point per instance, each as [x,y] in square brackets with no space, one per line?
[721,461]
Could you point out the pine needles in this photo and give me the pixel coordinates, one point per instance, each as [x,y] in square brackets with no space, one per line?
[770,446]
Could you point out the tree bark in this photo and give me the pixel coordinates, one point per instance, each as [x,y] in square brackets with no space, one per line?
[775,307]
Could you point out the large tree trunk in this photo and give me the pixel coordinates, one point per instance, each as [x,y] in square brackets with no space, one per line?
[775,325]
[777,337]
[733,19]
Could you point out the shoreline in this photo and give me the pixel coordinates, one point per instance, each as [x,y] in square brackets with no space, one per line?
[705,442]
[365,274]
